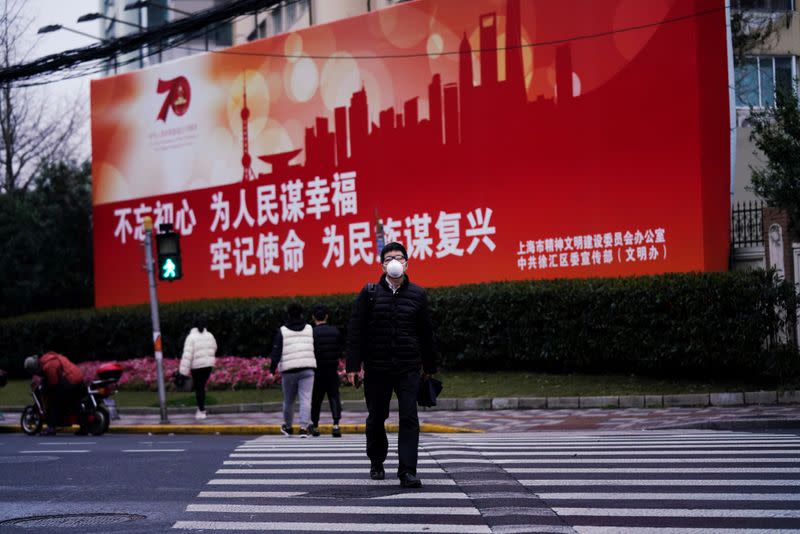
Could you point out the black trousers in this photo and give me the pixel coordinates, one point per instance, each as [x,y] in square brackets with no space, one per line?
[378,388]
[199,380]
[61,399]
[326,382]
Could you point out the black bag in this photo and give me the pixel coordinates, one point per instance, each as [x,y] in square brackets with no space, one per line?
[3,378]
[182,382]
[429,389]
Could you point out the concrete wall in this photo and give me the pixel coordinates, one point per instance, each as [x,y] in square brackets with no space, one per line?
[746,258]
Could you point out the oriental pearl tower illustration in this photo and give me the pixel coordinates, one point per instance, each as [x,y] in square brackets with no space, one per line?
[248,173]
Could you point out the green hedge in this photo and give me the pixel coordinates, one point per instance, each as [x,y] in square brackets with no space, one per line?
[691,325]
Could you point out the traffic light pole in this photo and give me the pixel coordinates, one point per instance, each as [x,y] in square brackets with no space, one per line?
[151,279]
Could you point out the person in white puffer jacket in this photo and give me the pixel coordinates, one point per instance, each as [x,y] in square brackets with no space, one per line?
[293,354]
[199,357]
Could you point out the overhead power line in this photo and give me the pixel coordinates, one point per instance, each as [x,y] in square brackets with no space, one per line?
[408,55]
[182,29]
[157,36]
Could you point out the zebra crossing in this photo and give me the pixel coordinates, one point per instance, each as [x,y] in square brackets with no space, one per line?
[556,482]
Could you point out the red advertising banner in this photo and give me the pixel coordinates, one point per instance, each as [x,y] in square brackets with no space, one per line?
[496,139]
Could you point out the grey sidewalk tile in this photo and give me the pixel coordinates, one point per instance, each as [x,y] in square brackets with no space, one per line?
[599,402]
[532,403]
[446,404]
[653,401]
[689,399]
[631,401]
[354,405]
[246,408]
[563,402]
[727,399]
[474,404]
[505,403]
[789,397]
[760,397]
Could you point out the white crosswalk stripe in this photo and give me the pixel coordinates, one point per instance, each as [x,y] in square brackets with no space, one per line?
[324,486]
[594,483]
[659,483]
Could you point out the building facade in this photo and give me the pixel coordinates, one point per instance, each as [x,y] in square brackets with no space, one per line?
[123,17]
[768,68]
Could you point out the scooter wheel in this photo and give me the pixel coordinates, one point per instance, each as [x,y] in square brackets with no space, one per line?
[107,416]
[31,420]
[98,425]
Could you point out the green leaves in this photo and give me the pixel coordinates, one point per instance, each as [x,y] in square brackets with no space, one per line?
[46,258]
[681,325]
[776,133]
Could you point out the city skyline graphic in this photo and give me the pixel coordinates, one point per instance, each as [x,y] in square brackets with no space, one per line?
[454,117]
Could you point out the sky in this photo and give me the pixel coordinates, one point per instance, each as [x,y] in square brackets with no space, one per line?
[64,12]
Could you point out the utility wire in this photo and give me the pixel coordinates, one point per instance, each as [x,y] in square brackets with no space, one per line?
[489,49]
[130,43]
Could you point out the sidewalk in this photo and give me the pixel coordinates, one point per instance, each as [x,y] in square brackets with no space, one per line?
[723,418]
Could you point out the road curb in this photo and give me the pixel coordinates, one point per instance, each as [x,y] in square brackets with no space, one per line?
[740,398]
[738,424]
[756,398]
[325,430]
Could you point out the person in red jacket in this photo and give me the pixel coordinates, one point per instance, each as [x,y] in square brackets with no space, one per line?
[63,381]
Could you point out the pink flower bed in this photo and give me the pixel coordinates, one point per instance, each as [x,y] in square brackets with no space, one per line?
[230,372]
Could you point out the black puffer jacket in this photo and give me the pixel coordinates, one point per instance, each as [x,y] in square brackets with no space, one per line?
[327,346]
[394,333]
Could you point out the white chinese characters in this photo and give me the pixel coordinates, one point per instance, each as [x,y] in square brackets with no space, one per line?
[630,246]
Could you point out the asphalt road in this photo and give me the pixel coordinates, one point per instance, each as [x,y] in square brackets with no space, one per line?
[138,475]
[557,482]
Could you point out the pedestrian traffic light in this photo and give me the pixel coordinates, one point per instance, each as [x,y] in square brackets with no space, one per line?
[168,244]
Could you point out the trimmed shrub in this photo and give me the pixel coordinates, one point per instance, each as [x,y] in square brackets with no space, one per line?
[682,325]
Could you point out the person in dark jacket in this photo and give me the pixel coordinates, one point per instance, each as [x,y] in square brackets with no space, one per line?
[391,335]
[293,354]
[327,350]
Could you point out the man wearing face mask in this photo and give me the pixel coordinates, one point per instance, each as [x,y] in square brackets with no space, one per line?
[391,335]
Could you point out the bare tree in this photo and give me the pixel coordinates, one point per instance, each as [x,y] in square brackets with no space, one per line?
[34,131]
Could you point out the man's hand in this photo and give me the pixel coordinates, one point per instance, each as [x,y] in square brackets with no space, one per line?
[351,379]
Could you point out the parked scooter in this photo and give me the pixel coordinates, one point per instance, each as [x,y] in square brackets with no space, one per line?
[89,412]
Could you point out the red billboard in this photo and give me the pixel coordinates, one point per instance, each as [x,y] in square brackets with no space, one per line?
[496,139]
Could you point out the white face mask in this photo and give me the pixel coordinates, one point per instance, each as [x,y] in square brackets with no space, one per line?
[394,269]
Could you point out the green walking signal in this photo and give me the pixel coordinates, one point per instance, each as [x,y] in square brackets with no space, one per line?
[168,244]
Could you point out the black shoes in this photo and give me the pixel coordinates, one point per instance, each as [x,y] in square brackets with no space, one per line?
[337,432]
[407,480]
[286,430]
[376,472]
[313,430]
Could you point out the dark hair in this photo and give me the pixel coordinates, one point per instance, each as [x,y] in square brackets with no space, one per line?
[201,322]
[320,312]
[394,245]
[295,310]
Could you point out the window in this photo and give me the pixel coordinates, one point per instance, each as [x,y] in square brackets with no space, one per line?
[223,35]
[276,17]
[156,13]
[286,14]
[758,78]
[259,31]
[763,5]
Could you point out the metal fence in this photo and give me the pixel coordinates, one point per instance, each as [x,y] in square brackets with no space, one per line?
[746,227]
